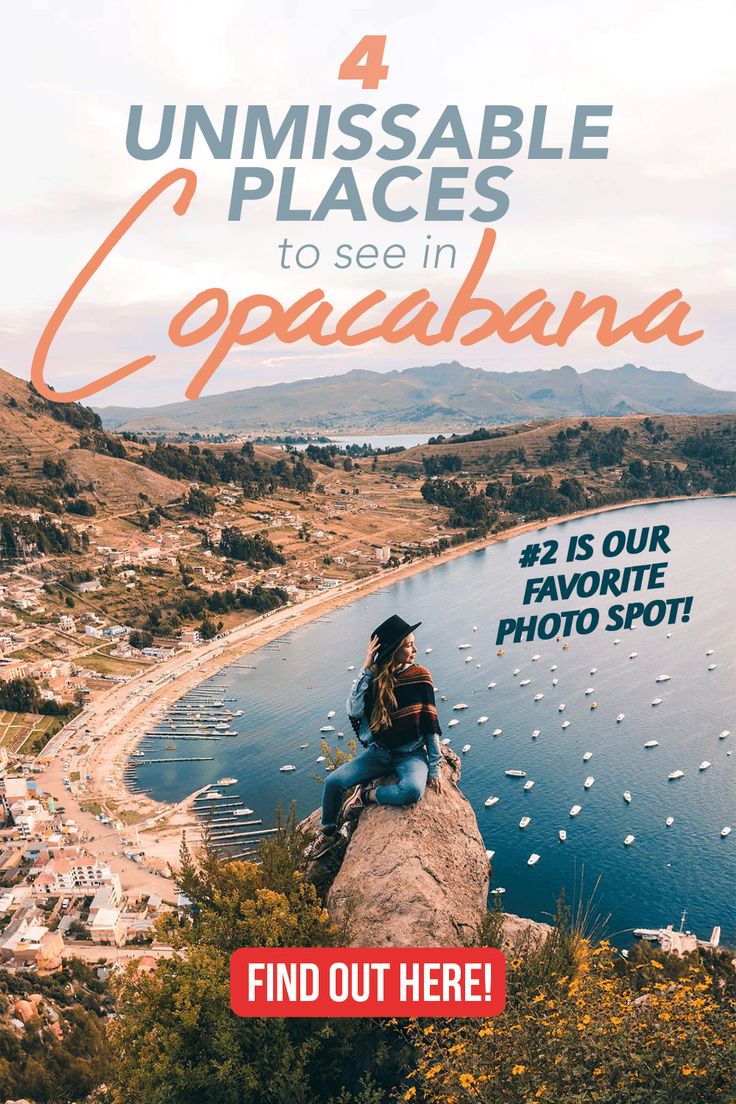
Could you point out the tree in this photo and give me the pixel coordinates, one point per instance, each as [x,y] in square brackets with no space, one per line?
[20,695]
[176,1039]
[200,503]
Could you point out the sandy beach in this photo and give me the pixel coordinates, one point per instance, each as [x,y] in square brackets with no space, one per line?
[117,719]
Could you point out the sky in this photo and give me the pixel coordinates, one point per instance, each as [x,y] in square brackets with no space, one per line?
[654,215]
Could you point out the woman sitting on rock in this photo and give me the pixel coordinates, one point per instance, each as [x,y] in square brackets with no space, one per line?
[396,697]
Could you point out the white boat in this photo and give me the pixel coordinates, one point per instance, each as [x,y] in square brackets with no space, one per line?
[651,743]
[562,834]
[710,651]
[590,690]
[453,722]
[459,706]
[469,659]
[242,812]
[633,655]
[427,651]
[594,705]
[446,741]
[327,728]
[351,667]
[669,822]
[525,822]
[561,707]
[516,671]
[319,759]
[490,802]
[555,681]
[238,713]
[462,647]
[491,686]
[475,628]
[528,785]
[553,667]
[515,774]
[565,724]
[303,746]
[538,697]
[617,640]
[466,749]
[532,860]
[628,840]
[722,735]
[588,782]
[525,682]
[627,797]
[535,658]
[443,697]
[212,795]
[593,670]
[663,678]
[331,714]
[712,666]
[704,765]
[726,831]
[498,732]
[620,718]
[499,890]
[483,719]
[588,755]
[535,733]
[575,810]
[226,781]
[656,701]
[287,767]
[674,775]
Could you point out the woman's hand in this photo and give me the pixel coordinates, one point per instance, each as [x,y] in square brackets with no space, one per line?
[370,655]
[435,784]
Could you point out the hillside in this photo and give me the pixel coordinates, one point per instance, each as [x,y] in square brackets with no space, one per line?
[32,430]
[440,397]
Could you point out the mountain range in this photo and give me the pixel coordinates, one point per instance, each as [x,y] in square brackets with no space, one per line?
[439,397]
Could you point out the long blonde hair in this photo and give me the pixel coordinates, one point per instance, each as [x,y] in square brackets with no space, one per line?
[384,698]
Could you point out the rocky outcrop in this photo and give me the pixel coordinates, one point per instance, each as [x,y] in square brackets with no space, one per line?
[417,876]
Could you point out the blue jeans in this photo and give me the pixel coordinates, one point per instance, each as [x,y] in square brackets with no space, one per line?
[411,769]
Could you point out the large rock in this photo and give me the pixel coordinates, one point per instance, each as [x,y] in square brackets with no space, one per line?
[416,876]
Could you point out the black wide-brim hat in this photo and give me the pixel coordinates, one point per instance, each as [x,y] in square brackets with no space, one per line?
[390,634]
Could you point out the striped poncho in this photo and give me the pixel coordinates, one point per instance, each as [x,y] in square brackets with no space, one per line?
[415,715]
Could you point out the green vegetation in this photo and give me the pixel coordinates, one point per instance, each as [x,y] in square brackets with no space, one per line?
[176,1039]
[240,467]
[21,536]
[255,550]
[22,695]
[39,1063]
[469,509]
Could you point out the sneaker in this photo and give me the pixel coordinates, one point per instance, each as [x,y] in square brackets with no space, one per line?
[322,843]
[355,804]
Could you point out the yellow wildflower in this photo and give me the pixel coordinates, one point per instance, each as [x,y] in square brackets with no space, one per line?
[410,1093]
[433,1071]
[597,1071]
[515,963]
[516,1070]
[686,1071]
[466,1080]
[428,1030]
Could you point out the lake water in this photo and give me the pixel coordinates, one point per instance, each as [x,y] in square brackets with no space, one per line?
[287,688]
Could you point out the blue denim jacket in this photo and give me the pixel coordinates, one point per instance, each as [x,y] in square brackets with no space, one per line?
[355,706]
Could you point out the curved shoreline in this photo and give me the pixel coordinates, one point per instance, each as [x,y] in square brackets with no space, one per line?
[121,715]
